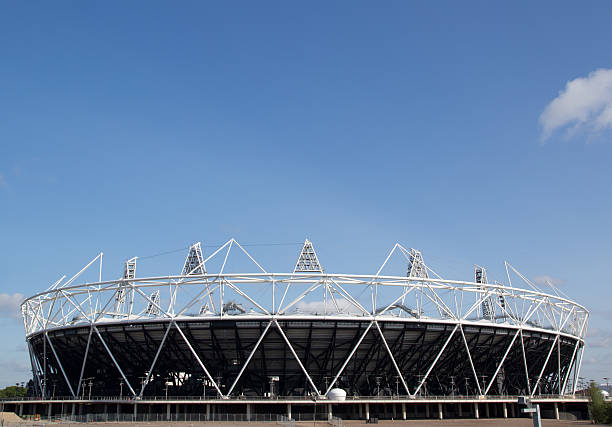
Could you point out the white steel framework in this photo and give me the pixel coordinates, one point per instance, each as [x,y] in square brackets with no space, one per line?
[538,334]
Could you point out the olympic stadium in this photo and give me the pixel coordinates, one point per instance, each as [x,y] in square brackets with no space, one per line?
[215,335]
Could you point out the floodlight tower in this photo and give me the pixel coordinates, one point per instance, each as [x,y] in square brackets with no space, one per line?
[416,265]
[480,276]
[195,265]
[308,260]
[416,268]
[129,273]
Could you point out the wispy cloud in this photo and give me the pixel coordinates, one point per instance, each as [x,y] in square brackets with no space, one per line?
[9,305]
[584,104]
[599,338]
[3,183]
[12,371]
[545,280]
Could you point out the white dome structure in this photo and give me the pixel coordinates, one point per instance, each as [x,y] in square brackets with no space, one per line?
[336,394]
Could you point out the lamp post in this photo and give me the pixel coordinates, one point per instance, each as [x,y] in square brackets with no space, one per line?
[142,383]
[120,388]
[314,415]
[273,379]
[484,382]
[87,382]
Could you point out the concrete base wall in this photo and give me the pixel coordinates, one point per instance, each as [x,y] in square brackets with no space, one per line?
[298,410]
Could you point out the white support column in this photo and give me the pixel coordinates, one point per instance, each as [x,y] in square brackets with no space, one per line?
[118,410]
[487,413]
[535,387]
[197,357]
[556,411]
[207,411]
[245,364]
[135,410]
[21,409]
[476,413]
[50,412]
[427,410]
[73,409]
[505,410]
[329,411]
[360,410]
[436,359]
[403,411]
[393,409]
[512,414]
[289,410]
[367,411]
[248,412]
[282,333]
[460,410]
[397,369]
[114,361]
[440,414]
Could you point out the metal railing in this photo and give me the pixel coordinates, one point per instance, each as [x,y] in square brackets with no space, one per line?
[245,399]
[159,418]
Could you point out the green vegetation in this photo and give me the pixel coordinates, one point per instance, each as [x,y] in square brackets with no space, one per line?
[600,410]
[13,391]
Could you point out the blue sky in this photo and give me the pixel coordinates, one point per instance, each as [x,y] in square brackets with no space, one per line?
[137,129]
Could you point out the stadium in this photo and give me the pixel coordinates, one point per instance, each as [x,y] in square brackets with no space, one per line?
[211,334]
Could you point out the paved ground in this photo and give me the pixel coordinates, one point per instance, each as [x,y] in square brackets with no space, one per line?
[515,422]
[520,422]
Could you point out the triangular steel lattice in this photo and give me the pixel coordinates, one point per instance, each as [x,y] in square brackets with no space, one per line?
[308,261]
[129,269]
[153,306]
[129,273]
[194,264]
[480,276]
[416,265]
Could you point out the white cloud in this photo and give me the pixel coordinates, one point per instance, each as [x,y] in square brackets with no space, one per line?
[3,183]
[584,104]
[318,307]
[9,305]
